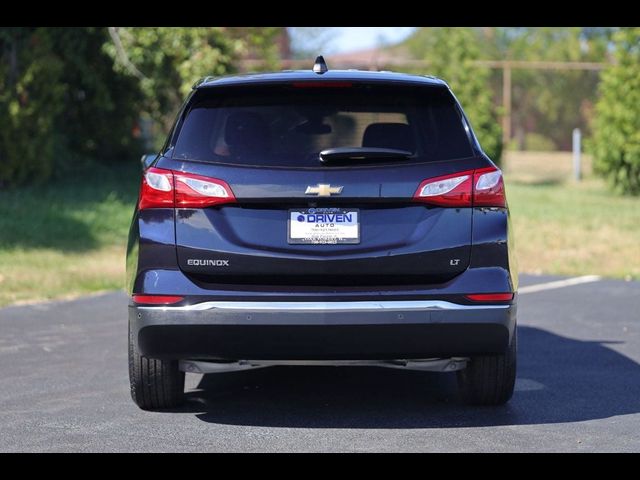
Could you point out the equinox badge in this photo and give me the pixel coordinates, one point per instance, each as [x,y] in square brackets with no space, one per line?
[323,190]
[207,262]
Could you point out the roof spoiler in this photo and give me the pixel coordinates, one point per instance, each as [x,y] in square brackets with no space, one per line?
[203,80]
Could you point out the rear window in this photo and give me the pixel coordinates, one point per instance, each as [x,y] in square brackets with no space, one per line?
[287,126]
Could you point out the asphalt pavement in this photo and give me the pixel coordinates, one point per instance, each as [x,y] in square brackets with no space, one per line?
[64,387]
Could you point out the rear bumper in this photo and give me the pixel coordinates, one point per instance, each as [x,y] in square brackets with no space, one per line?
[411,329]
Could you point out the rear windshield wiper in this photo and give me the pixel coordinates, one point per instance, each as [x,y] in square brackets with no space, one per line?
[362,153]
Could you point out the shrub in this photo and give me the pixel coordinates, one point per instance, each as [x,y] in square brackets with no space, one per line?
[616,140]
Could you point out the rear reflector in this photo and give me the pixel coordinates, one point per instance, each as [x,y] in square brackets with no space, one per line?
[157,299]
[490,297]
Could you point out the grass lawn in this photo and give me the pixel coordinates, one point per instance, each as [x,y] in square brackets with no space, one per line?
[69,238]
[566,227]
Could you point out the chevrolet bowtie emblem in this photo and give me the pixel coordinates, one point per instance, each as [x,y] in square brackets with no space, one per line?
[323,190]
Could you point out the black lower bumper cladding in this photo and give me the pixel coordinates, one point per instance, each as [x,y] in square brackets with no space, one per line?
[384,333]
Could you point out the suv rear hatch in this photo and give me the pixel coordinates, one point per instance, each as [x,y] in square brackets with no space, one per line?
[297,211]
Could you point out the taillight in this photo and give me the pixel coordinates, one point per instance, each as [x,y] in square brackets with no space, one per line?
[448,191]
[157,189]
[483,187]
[157,299]
[490,297]
[488,188]
[197,191]
[167,189]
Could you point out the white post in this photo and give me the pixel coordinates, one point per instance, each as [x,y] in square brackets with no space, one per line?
[577,167]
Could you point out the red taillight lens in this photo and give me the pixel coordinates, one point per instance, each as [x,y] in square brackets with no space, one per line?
[168,189]
[490,297]
[157,189]
[448,191]
[483,187]
[488,188]
[157,299]
[197,191]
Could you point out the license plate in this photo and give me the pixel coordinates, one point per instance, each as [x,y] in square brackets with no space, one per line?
[323,226]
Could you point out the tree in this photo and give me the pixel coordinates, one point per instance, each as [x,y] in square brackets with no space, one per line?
[31,98]
[549,103]
[61,103]
[450,51]
[616,140]
[73,96]
[268,44]
[166,61]
[101,106]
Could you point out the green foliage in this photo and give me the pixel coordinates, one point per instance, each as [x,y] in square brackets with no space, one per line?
[552,102]
[61,103]
[166,61]
[450,51]
[549,102]
[30,100]
[616,141]
[260,42]
[72,97]
[101,107]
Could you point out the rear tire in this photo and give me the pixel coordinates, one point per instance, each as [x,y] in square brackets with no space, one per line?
[155,384]
[489,379]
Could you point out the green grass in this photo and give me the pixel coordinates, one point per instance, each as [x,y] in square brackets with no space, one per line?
[570,229]
[69,238]
[566,227]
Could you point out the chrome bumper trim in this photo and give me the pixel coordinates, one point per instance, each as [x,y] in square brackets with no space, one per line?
[403,305]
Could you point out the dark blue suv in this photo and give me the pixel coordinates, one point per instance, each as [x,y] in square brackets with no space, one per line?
[321,218]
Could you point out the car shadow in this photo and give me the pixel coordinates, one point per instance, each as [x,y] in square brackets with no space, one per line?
[559,380]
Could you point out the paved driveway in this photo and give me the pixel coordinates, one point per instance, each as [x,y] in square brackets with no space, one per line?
[64,387]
